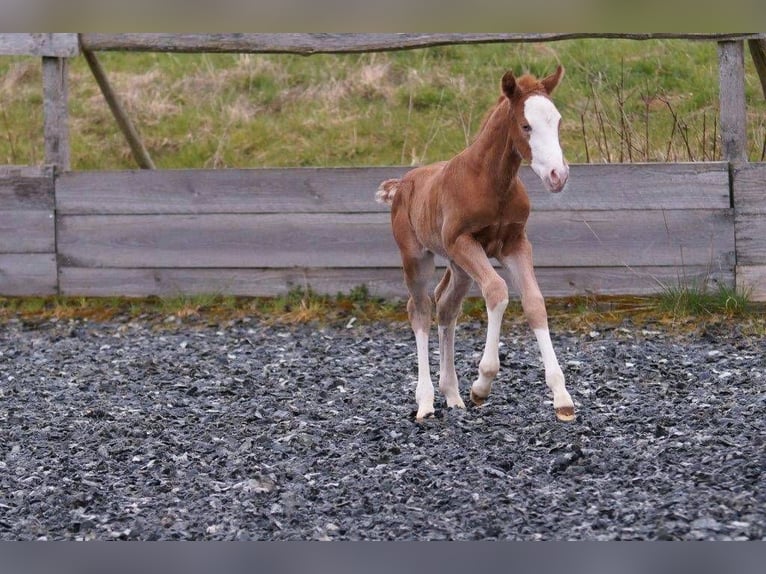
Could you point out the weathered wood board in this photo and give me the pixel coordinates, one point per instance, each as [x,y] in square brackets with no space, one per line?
[383,282]
[26,188]
[749,181]
[52,45]
[352,190]
[26,210]
[28,274]
[575,238]
[27,231]
[301,43]
[749,185]
[752,280]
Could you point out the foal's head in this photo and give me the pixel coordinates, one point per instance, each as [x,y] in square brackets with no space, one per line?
[535,125]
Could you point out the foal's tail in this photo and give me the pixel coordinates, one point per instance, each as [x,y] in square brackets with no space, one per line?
[387,190]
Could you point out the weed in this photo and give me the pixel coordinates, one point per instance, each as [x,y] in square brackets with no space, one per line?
[698,301]
[677,306]
[30,306]
[186,305]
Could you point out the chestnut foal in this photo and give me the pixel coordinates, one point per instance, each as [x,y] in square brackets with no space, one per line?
[467,210]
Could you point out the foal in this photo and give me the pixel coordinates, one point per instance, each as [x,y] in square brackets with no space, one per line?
[467,210]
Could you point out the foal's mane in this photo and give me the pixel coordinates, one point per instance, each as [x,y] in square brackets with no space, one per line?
[528,84]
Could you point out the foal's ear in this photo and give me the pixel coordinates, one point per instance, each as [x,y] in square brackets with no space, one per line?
[509,84]
[553,80]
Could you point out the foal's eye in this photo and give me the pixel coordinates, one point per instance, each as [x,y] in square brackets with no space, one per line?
[527,128]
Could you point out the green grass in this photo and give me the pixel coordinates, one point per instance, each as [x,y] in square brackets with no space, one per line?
[698,301]
[681,308]
[618,100]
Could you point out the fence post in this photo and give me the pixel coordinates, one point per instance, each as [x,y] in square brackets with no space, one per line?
[731,75]
[731,61]
[56,125]
[758,52]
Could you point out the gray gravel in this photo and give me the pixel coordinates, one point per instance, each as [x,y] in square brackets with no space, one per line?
[147,430]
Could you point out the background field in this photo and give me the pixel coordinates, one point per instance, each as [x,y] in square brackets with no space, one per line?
[621,101]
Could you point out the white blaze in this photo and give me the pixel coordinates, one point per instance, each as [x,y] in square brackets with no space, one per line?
[547,158]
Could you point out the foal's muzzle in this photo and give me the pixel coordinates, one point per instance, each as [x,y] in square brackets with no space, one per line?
[556,179]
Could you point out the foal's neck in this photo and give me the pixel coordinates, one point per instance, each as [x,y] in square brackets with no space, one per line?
[494,148]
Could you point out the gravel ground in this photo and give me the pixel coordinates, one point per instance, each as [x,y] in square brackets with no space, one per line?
[149,430]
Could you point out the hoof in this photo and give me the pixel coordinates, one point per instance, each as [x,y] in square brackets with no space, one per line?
[457,404]
[425,414]
[565,414]
[476,399]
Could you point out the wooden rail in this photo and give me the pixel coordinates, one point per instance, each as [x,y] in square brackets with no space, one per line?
[45,45]
[348,43]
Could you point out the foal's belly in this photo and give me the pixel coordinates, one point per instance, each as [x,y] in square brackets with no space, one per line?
[496,240]
[499,239]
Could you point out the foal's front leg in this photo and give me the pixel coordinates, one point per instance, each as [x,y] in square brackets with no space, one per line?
[466,252]
[519,264]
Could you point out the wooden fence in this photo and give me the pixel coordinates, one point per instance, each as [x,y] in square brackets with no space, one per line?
[619,228]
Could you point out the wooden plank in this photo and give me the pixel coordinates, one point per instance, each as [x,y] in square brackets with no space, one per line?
[49,45]
[55,114]
[749,185]
[731,74]
[749,192]
[26,171]
[28,274]
[227,240]
[638,186]
[350,190]
[27,231]
[588,238]
[347,43]
[383,282]
[673,237]
[26,188]
[300,190]
[752,280]
[751,239]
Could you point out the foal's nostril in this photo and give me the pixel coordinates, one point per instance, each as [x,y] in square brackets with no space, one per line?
[555,178]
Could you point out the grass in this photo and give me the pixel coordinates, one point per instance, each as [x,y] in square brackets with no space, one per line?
[621,101]
[698,301]
[296,306]
[677,307]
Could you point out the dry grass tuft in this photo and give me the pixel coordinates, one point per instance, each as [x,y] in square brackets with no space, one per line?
[358,308]
[23,75]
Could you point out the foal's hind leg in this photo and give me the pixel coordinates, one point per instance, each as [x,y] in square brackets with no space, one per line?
[519,263]
[418,270]
[449,296]
[417,274]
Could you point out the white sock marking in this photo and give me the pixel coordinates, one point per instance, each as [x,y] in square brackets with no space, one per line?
[554,377]
[424,394]
[490,360]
